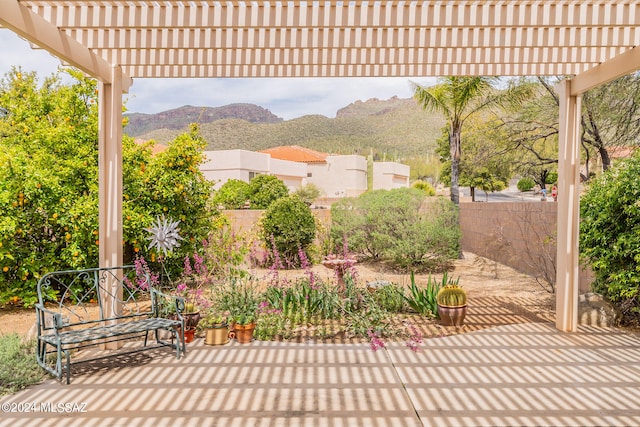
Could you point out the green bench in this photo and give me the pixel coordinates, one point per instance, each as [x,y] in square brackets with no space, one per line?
[82,308]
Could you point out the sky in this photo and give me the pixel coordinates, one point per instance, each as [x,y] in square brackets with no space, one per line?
[284,97]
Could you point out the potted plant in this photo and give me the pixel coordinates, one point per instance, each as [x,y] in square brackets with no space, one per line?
[452,305]
[240,299]
[244,325]
[216,329]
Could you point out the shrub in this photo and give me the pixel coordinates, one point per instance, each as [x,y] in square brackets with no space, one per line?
[288,226]
[525,184]
[609,238]
[232,195]
[264,190]
[18,369]
[424,186]
[308,193]
[389,297]
[400,226]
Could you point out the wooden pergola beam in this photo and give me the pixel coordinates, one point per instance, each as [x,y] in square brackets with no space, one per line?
[37,30]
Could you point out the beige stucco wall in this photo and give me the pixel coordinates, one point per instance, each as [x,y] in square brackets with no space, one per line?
[511,233]
[340,176]
[390,175]
[224,165]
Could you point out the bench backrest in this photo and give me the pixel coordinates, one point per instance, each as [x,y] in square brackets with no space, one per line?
[96,294]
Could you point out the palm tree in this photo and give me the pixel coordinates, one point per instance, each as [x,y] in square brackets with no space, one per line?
[458,98]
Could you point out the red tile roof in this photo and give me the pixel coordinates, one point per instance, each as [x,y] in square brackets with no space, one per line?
[155,148]
[295,153]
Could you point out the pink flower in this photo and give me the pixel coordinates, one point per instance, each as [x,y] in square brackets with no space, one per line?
[376,343]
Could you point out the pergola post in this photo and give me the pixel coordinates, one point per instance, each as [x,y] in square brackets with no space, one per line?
[568,209]
[110,183]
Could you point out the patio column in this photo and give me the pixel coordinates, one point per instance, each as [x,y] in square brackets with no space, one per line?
[110,182]
[568,209]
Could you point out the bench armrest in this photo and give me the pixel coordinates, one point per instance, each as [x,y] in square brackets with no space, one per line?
[43,313]
[164,304]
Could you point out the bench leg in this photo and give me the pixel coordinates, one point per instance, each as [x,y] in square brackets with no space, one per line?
[66,352]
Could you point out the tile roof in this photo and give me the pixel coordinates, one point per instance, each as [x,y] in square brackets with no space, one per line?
[296,153]
[155,148]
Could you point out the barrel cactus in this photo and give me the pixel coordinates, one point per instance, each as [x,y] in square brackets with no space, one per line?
[452,296]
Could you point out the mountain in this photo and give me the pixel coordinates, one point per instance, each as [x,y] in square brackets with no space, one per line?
[180,118]
[393,129]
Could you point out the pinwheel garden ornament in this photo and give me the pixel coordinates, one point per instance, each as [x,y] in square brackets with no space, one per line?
[164,235]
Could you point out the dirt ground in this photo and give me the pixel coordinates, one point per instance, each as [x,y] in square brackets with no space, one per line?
[497,295]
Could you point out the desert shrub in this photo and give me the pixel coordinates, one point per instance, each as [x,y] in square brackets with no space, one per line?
[232,195]
[429,240]
[399,225]
[424,186]
[609,237]
[264,190]
[288,227]
[308,193]
[18,369]
[389,297]
[525,184]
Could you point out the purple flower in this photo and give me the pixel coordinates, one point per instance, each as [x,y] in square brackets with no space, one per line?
[375,342]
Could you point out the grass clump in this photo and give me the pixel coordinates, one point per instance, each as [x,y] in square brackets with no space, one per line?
[18,366]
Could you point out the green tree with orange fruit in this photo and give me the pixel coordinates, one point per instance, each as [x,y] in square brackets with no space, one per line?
[49,183]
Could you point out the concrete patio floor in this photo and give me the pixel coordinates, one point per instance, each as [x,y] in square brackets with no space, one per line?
[520,374]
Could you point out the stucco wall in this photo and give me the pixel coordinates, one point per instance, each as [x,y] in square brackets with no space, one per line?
[246,220]
[520,235]
[340,176]
[390,175]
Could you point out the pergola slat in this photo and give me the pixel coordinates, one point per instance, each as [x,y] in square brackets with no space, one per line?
[428,36]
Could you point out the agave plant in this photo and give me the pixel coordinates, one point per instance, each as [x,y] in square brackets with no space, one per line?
[423,300]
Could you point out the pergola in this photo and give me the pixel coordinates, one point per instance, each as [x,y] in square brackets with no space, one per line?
[590,41]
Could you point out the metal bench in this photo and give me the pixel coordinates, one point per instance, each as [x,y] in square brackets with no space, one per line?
[82,308]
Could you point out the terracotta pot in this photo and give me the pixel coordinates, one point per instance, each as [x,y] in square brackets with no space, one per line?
[216,335]
[189,334]
[191,319]
[244,333]
[452,316]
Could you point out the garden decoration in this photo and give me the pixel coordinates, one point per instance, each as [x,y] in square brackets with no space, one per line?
[340,266]
[164,235]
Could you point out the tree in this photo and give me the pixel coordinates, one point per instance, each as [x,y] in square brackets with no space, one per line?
[487,161]
[233,194]
[611,116]
[49,183]
[459,98]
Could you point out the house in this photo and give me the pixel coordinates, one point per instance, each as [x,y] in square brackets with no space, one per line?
[390,175]
[335,175]
[223,165]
